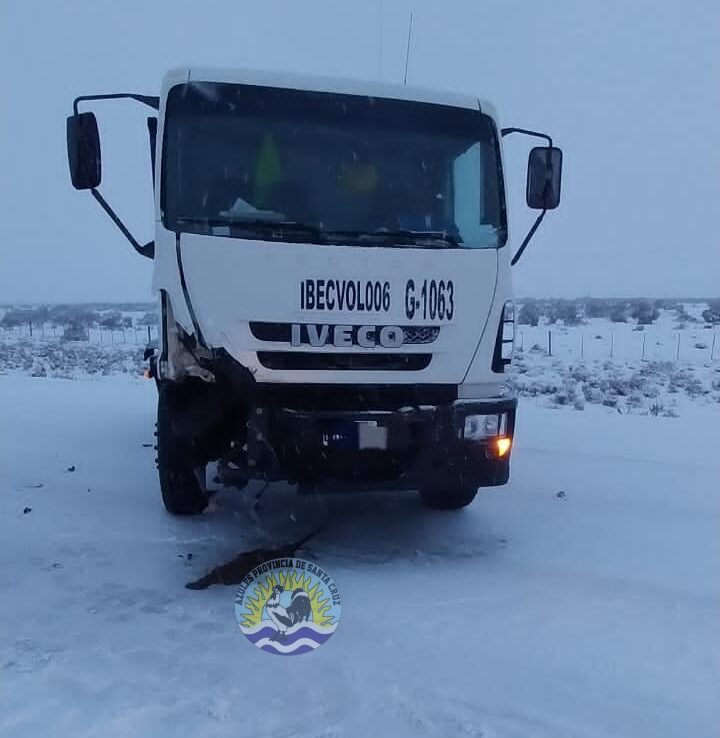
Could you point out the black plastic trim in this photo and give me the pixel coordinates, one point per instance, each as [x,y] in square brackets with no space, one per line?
[151,101]
[316,361]
[186,294]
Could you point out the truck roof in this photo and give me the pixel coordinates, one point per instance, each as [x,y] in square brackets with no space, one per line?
[343,85]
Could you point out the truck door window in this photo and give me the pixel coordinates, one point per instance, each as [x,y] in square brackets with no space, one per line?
[473,205]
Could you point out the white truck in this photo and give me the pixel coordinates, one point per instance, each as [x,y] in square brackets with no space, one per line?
[333,269]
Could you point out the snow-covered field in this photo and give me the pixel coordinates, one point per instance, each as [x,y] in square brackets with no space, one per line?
[591,614]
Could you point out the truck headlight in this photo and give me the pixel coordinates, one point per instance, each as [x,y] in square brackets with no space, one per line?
[478,427]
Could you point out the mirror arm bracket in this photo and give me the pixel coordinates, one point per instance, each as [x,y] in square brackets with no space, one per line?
[147,250]
[149,100]
[527,238]
[535,134]
[527,132]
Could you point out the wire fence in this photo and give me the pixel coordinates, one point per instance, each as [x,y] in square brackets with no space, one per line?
[134,335]
[700,345]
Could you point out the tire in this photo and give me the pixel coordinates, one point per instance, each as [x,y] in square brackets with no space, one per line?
[182,492]
[450,497]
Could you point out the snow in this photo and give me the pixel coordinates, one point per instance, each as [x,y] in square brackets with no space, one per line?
[532,613]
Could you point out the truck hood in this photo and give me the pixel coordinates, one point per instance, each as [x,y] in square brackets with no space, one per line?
[247,295]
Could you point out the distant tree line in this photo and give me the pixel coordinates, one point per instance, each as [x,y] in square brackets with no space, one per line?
[642,311]
[76,320]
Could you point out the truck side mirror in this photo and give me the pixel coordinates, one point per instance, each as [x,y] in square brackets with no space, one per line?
[83,145]
[544,177]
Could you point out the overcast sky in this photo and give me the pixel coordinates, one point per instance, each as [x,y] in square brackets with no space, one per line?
[628,88]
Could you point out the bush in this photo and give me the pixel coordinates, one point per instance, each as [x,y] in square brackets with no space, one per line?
[596,308]
[76,331]
[712,314]
[568,313]
[529,314]
[13,318]
[66,315]
[151,318]
[619,314]
[24,316]
[645,312]
[112,321]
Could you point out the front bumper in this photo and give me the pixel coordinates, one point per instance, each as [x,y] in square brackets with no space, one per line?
[407,448]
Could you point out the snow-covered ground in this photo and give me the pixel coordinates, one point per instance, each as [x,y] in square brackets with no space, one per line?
[592,613]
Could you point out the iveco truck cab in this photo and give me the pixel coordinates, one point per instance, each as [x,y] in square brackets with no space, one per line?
[332,265]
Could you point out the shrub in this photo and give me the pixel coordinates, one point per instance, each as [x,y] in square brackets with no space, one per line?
[645,312]
[568,313]
[597,308]
[619,314]
[24,316]
[528,315]
[151,318]
[76,331]
[112,321]
[712,314]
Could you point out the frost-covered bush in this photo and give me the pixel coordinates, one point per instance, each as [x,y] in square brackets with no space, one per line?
[619,314]
[529,314]
[644,312]
[67,359]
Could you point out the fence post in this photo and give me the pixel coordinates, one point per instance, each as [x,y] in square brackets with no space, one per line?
[149,334]
[712,349]
[582,345]
[549,343]
[643,346]
[612,344]
[30,324]
[677,350]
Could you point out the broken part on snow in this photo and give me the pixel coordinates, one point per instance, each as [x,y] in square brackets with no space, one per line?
[235,570]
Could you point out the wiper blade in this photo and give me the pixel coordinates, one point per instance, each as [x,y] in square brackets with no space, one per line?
[258,224]
[404,237]
[441,236]
[283,228]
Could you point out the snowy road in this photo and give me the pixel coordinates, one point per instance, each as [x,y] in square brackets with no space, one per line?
[593,614]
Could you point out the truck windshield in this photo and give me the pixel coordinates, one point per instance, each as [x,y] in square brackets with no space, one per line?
[281,164]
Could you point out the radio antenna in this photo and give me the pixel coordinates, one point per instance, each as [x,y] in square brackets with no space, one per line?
[407,51]
[381,15]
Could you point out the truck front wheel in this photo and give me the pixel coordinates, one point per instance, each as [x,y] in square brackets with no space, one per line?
[447,497]
[182,492]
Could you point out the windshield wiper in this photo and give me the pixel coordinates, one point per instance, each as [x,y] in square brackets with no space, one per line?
[443,238]
[280,228]
[400,237]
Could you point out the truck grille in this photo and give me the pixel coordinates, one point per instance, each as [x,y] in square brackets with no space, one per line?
[306,360]
[280,332]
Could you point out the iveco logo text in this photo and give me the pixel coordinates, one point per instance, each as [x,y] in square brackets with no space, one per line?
[344,336]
